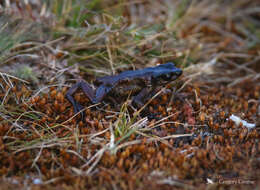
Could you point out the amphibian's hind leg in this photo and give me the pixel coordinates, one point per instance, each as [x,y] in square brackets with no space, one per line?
[101,92]
[86,88]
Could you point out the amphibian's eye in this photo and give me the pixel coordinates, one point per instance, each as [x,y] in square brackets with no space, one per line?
[167,76]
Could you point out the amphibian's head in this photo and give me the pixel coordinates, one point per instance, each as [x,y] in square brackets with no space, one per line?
[166,72]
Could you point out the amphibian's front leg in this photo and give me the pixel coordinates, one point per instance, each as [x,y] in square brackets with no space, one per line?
[86,88]
[138,100]
[144,94]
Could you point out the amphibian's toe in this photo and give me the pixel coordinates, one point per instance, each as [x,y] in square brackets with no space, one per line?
[78,108]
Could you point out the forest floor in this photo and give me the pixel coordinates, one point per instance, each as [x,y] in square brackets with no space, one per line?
[200,131]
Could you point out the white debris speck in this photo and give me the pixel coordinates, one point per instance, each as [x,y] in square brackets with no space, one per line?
[238,120]
[209,181]
[37,181]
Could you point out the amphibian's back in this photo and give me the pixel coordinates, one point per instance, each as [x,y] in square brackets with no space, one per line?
[141,73]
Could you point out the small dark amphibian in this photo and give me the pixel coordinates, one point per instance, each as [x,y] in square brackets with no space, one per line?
[141,83]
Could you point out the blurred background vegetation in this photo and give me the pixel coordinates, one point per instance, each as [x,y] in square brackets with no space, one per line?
[102,37]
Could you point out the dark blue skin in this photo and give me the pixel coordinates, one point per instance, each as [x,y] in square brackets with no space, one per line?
[149,78]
